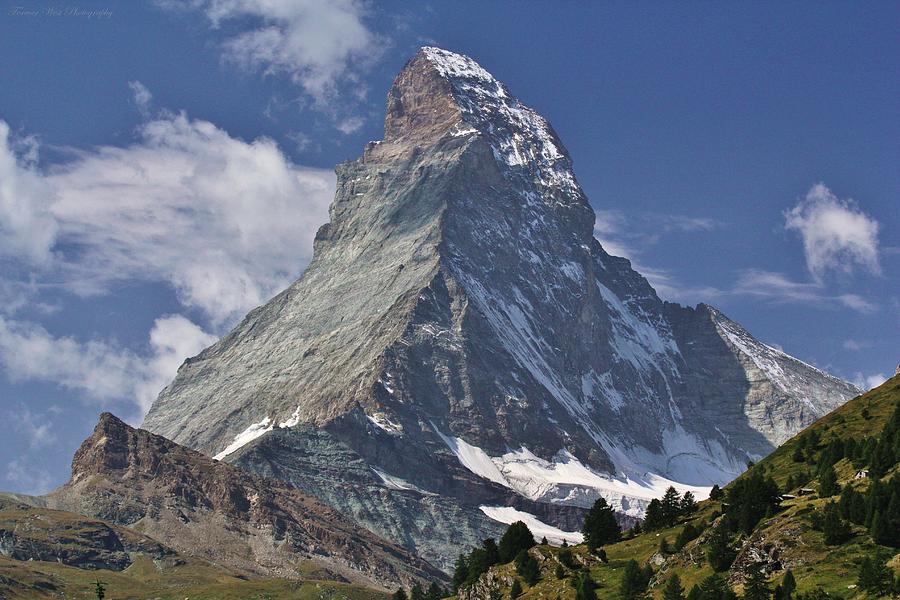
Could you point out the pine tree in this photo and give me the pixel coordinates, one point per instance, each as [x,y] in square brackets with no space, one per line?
[560,571]
[719,552]
[653,517]
[715,493]
[600,526]
[460,572]
[544,541]
[400,594]
[785,589]
[715,588]
[664,546]
[671,507]
[828,485]
[634,581]
[673,589]
[798,456]
[874,576]
[688,533]
[100,589]
[835,529]
[477,564]
[517,538]
[416,593]
[492,552]
[527,567]
[584,586]
[688,504]
[515,589]
[435,592]
[756,586]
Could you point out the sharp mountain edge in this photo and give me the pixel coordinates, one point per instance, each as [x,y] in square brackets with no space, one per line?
[461,346]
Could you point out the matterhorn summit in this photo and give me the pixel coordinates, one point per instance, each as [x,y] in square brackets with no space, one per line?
[462,352]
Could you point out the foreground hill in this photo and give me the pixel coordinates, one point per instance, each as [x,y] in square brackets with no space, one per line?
[825,532]
[247,525]
[462,337]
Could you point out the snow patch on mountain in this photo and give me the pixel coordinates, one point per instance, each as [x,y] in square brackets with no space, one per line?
[246,436]
[509,515]
[566,480]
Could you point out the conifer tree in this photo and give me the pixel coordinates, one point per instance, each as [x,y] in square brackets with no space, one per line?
[673,589]
[715,493]
[688,533]
[460,572]
[560,571]
[584,586]
[435,592]
[828,485]
[517,538]
[416,593]
[653,516]
[785,589]
[600,526]
[400,594]
[688,505]
[664,546]
[835,529]
[527,567]
[544,541]
[492,552]
[671,507]
[756,586]
[874,576]
[634,581]
[515,589]
[719,552]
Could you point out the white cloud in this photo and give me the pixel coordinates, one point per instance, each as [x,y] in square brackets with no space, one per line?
[102,371]
[28,479]
[172,339]
[350,125]
[227,223]
[319,45]
[867,382]
[27,229]
[855,345]
[776,287]
[37,428]
[837,235]
[142,97]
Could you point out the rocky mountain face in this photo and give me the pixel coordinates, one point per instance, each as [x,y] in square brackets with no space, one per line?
[461,350]
[212,510]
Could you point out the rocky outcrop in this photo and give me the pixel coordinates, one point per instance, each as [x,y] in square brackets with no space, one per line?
[31,533]
[212,510]
[462,340]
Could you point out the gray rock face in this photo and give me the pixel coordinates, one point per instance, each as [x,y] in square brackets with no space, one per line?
[464,337]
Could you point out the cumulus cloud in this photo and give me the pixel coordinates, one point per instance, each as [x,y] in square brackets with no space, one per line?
[101,370]
[837,236]
[319,45]
[228,223]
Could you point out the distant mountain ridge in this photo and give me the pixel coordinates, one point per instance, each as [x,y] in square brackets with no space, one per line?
[467,345]
[218,513]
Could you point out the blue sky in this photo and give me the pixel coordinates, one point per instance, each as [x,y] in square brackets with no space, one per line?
[164,166]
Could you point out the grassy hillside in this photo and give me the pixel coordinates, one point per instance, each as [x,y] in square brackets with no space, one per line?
[788,536]
[143,579]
